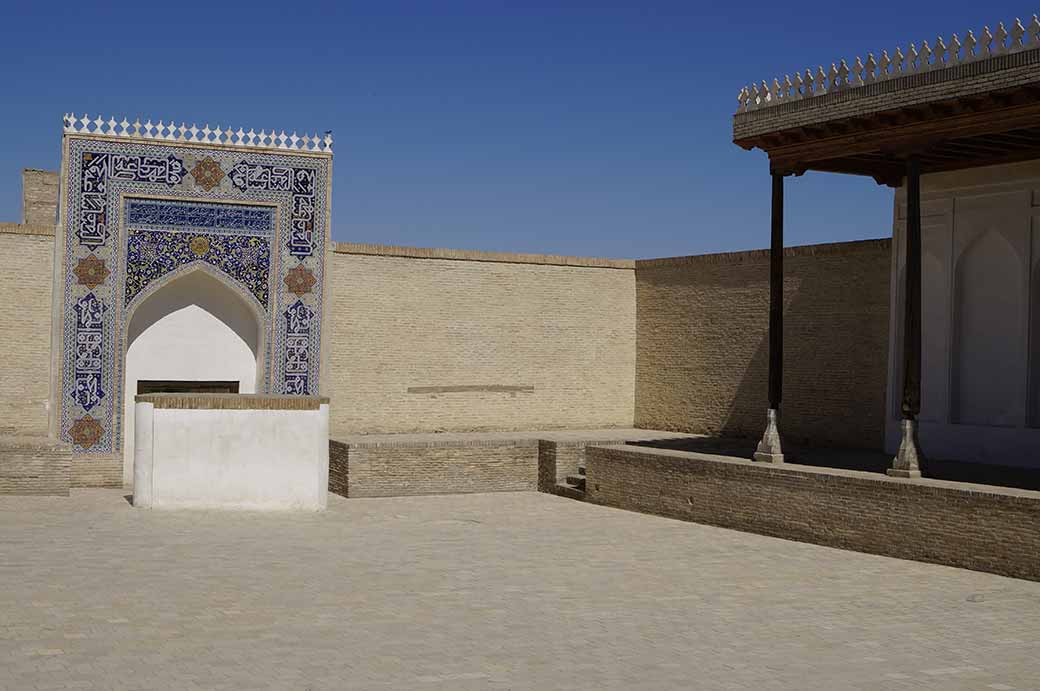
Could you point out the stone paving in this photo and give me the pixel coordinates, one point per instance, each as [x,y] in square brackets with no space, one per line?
[494,591]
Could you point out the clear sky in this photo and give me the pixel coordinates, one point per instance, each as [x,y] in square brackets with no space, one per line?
[598,129]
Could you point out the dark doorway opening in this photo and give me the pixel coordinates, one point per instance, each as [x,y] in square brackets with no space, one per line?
[174,386]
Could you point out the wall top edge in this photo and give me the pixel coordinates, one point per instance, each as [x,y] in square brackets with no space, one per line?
[223,401]
[23,229]
[478,256]
[171,133]
[1029,497]
[879,245]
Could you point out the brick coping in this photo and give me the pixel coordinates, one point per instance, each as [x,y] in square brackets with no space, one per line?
[23,229]
[879,245]
[929,485]
[478,256]
[230,401]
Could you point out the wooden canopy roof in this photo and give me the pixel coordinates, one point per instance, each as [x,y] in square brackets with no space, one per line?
[971,105]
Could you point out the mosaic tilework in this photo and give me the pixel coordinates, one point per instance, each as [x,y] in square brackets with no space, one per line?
[152,254]
[298,319]
[162,214]
[139,213]
[300,182]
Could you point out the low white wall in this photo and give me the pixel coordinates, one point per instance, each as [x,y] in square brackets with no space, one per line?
[241,459]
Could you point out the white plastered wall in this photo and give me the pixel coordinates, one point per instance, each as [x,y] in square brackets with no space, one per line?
[980,316]
[232,459]
[194,328]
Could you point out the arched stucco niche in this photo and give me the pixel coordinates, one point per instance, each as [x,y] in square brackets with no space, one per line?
[988,339]
[193,327]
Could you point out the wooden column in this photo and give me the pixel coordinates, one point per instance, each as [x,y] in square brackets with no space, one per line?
[769,450]
[776,295]
[912,294]
[906,462]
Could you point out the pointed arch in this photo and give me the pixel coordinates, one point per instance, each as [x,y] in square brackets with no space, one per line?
[193,326]
[988,333]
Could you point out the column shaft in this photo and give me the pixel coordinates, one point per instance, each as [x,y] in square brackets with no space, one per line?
[776,295]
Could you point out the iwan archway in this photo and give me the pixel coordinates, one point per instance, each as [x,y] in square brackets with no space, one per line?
[192,332]
[185,254]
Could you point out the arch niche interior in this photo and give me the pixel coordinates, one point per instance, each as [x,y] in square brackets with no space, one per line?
[192,327]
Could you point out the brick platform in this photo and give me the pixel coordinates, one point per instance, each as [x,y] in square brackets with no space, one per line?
[391,465]
[978,527]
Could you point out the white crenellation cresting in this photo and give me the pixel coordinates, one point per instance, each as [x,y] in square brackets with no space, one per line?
[171,132]
[862,72]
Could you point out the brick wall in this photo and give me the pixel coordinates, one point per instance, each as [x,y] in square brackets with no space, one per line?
[40,198]
[397,469]
[703,347]
[34,466]
[431,340]
[26,261]
[970,526]
[339,467]
[97,471]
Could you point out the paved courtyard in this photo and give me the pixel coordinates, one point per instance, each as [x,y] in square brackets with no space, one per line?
[494,591]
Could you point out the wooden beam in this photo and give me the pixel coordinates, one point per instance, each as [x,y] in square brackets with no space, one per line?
[911,136]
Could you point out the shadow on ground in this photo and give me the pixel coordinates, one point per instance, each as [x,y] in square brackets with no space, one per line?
[865,460]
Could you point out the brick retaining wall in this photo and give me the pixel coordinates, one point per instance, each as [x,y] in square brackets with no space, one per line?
[978,527]
[402,469]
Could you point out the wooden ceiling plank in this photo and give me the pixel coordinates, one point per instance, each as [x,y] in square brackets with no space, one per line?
[909,137]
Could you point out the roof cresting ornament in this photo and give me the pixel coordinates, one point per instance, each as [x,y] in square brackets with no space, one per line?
[915,60]
[171,132]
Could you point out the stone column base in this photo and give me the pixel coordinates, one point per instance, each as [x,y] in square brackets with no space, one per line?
[906,463]
[769,450]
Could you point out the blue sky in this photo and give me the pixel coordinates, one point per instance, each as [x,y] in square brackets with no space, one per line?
[598,129]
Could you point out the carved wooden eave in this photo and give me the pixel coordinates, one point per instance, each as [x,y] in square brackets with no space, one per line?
[970,105]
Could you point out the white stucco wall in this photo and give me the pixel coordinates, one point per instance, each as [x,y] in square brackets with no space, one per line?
[231,459]
[980,300]
[193,329]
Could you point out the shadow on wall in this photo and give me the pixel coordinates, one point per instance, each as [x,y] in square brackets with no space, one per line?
[702,345]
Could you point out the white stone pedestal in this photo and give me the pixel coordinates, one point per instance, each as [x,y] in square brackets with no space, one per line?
[231,451]
[907,460]
[769,450]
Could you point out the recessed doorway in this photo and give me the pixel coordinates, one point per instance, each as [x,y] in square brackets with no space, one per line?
[180,386]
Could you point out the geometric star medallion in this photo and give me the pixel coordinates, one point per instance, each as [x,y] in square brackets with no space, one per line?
[207,173]
[91,271]
[300,280]
[86,432]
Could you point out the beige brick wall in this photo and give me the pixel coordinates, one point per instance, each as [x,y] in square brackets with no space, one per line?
[26,261]
[702,343]
[405,470]
[483,342]
[34,466]
[958,524]
[39,198]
